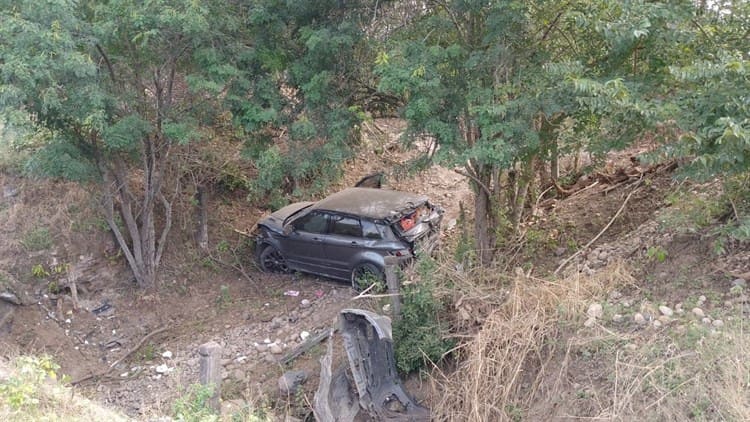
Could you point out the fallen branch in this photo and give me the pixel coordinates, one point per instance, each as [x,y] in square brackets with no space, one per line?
[125,356]
[617,214]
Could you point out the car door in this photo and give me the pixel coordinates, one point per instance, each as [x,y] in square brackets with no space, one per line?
[303,246]
[348,244]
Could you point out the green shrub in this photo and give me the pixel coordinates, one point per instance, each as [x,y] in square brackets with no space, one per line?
[418,335]
[194,406]
[21,391]
[37,239]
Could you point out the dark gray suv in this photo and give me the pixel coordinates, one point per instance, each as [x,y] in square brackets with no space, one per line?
[347,235]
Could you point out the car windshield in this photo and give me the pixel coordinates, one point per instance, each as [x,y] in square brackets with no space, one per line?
[296,214]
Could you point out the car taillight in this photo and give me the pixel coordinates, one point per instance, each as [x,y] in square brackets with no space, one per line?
[400,252]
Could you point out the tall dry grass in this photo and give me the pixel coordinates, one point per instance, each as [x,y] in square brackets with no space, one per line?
[526,355]
[505,365]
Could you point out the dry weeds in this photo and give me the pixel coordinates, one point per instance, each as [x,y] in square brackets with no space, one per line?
[505,367]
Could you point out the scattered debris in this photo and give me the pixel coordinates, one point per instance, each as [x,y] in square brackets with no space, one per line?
[293,293]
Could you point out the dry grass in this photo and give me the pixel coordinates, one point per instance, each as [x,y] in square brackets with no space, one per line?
[529,357]
[505,366]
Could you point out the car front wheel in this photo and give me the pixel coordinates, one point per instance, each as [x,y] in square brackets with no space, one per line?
[364,275]
[270,260]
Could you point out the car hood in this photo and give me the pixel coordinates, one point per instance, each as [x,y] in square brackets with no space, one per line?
[276,219]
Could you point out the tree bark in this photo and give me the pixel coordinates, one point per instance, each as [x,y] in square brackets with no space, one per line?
[201,235]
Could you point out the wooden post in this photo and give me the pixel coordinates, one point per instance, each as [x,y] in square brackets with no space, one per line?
[210,371]
[391,280]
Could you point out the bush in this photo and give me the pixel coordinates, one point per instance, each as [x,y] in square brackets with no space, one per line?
[193,406]
[419,335]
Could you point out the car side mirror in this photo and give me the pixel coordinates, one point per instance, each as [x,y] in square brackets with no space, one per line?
[288,229]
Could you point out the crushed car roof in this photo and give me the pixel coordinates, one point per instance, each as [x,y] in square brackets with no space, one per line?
[370,202]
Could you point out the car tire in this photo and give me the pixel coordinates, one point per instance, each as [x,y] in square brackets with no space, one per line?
[363,271]
[270,260]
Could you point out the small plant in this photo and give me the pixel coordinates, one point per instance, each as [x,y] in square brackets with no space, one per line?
[37,239]
[39,271]
[21,391]
[149,352]
[656,253]
[224,298]
[194,405]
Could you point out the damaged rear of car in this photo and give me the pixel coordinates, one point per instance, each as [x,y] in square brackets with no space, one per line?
[347,235]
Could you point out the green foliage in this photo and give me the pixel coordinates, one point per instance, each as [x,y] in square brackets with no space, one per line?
[39,271]
[419,335]
[37,239]
[656,253]
[21,391]
[193,405]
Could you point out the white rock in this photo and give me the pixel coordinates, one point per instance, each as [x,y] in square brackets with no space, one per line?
[616,318]
[304,335]
[163,369]
[698,312]
[666,311]
[167,354]
[701,298]
[589,322]
[718,323]
[639,319]
[275,349]
[595,310]
[706,321]
[657,324]
[267,340]
[305,303]
[125,374]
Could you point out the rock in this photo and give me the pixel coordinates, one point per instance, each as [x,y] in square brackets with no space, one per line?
[261,348]
[13,291]
[698,312]
[706,321]
[718,323]
[275,349]
[290,382]
[304,335]
[163,369]
[589,322]
[666,311]
[739,282]
[10,191]
[678,307]
[657,324]
[701,298]
[616,318]
[167,355]
[595,310]
[639,319]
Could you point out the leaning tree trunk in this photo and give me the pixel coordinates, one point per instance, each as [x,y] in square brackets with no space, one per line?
[138,241]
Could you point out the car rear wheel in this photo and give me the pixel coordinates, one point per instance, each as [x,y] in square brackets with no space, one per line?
[270,260]
[366,274]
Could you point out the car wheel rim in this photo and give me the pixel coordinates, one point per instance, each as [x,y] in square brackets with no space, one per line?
[275,262]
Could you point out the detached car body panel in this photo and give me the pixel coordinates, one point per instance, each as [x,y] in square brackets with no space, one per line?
[348,232]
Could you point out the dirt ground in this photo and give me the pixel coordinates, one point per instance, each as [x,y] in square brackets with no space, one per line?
[200,299]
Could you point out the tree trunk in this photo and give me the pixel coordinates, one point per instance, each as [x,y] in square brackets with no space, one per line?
[201,235]
[485,218]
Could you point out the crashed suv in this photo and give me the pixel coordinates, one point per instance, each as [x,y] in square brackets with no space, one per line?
[347,235]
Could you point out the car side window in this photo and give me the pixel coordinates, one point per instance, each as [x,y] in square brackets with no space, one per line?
[346,226]
[314,222]
[370,230]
